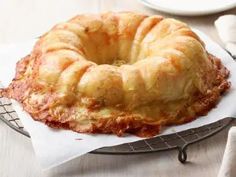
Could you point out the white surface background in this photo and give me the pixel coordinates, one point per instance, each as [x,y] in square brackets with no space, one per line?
[22,20]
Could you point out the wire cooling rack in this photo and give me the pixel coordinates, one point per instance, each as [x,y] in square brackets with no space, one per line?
[179,141]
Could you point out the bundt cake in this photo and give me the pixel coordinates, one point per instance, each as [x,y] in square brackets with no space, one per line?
[118,73]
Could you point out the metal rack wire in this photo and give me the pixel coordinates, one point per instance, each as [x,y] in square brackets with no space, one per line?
[179,141]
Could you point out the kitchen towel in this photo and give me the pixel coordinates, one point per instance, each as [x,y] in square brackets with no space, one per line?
[226,27]
[228,166]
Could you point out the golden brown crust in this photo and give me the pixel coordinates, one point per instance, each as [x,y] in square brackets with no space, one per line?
[117,126]
[65,85]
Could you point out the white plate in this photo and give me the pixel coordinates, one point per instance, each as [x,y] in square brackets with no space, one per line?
[190,7]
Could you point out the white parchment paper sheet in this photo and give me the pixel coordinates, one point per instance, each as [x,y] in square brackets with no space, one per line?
[54,147]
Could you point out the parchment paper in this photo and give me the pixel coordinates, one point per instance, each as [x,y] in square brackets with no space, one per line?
[54,147]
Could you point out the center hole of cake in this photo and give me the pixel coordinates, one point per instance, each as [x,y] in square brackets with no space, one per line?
[118,62]
[114,62]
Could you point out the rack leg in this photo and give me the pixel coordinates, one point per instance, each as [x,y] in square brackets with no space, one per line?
[182,156]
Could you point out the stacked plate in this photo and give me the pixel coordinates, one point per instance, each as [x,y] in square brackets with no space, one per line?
[190,7]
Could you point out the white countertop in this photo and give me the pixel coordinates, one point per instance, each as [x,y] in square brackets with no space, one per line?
[23,20]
